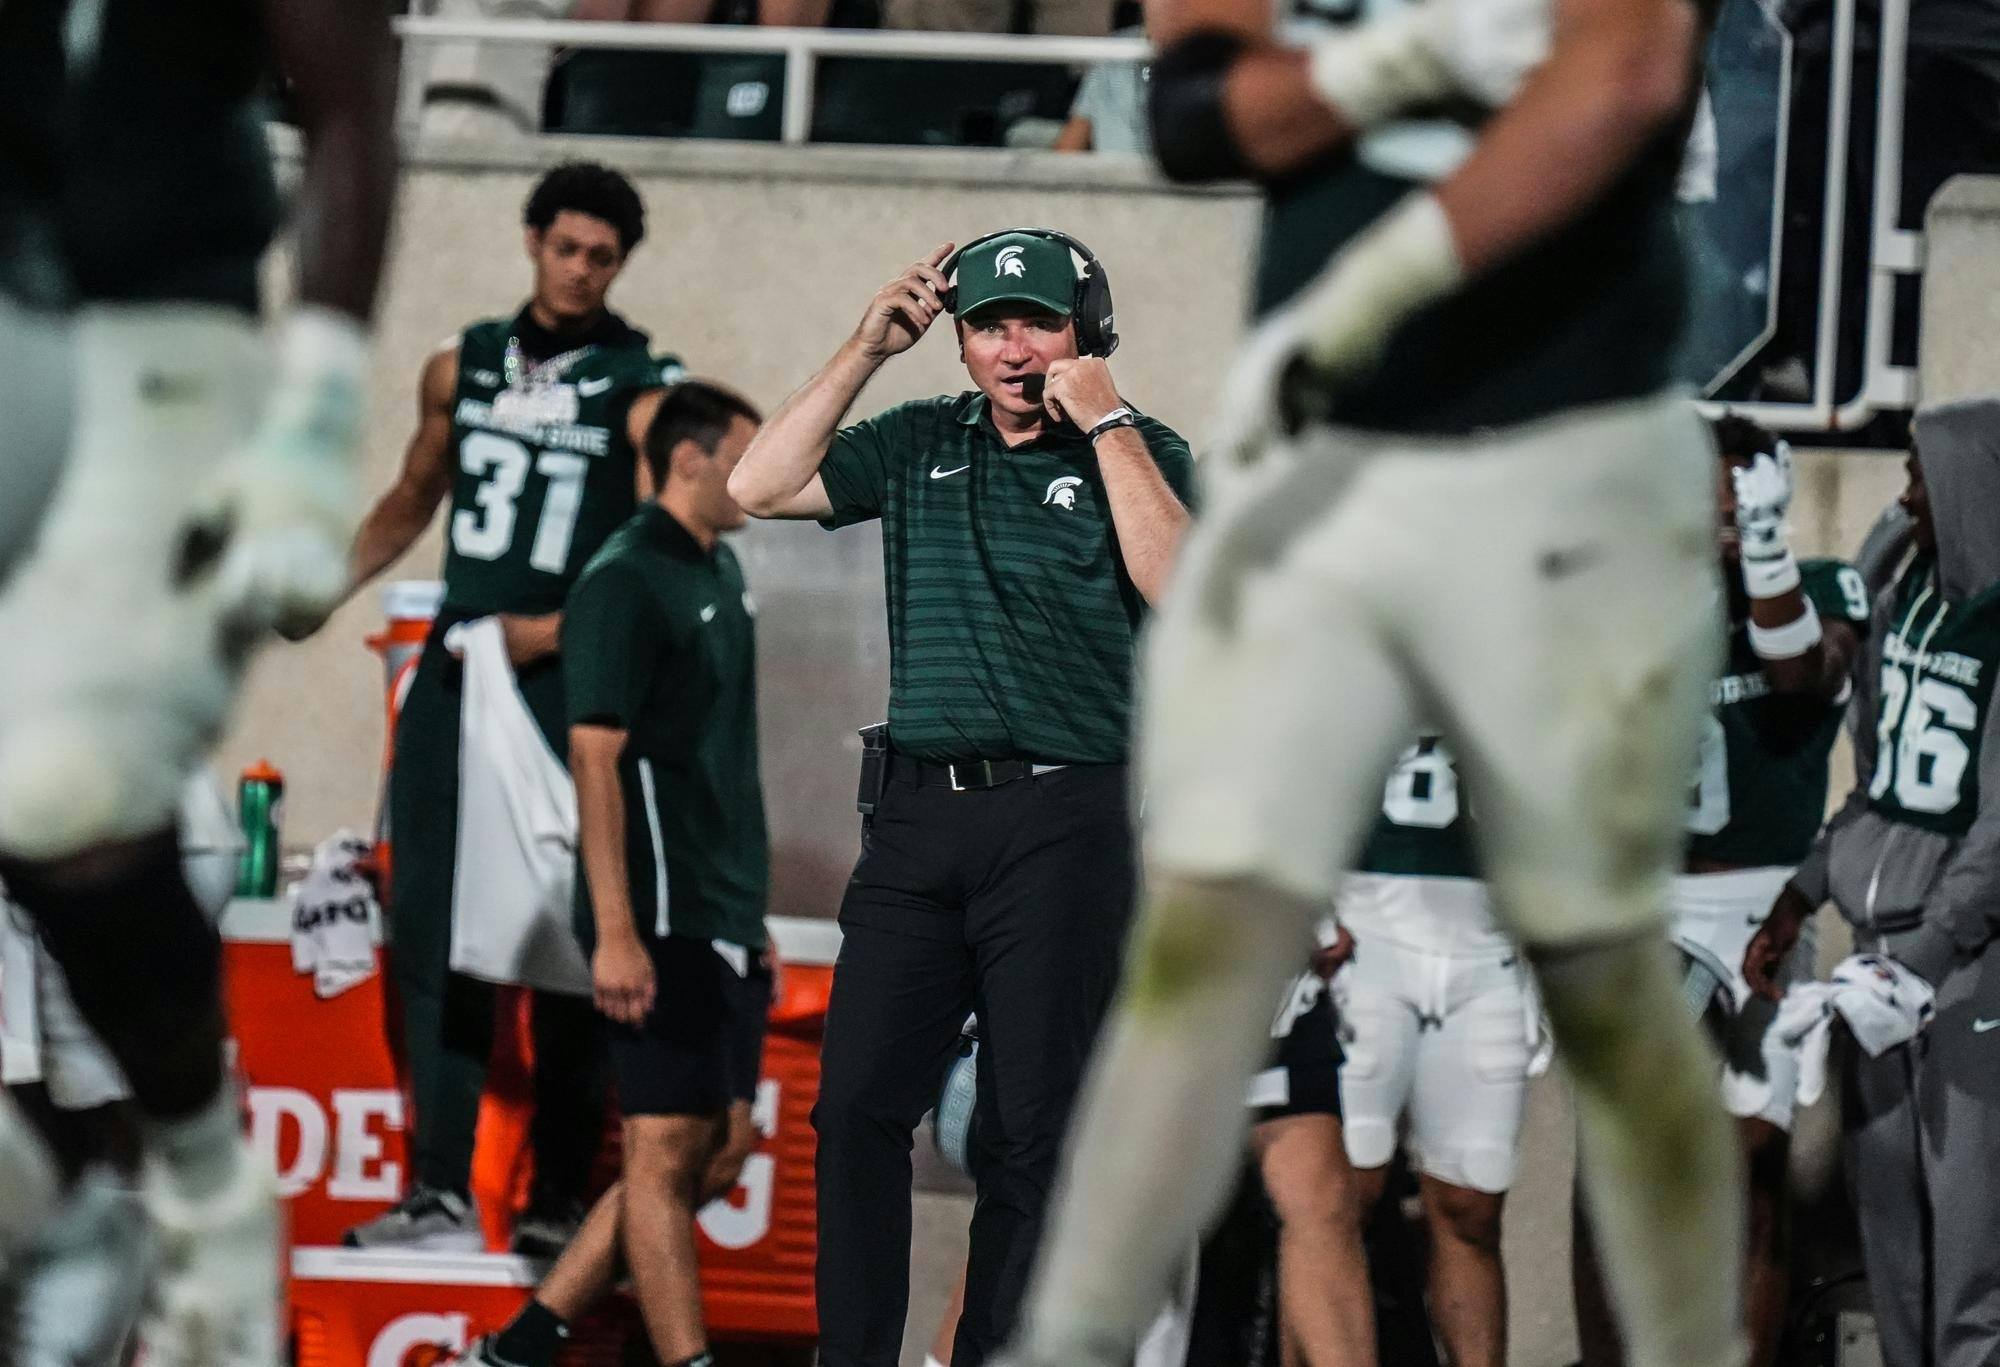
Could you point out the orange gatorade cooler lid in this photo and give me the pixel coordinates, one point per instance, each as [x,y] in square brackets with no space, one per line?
[412,600]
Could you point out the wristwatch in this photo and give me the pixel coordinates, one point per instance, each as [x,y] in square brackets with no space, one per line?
[1121,416]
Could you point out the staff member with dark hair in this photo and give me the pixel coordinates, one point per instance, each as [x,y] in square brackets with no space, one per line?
[659,654]
[531,426]
[1025,526]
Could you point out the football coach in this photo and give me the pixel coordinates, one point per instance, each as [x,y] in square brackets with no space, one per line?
[1026,525]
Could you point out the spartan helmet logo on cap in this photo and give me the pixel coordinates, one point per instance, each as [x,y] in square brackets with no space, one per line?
[1062,492]
[1008,262]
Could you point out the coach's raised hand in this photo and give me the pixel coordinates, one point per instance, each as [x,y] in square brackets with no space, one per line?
[904,309]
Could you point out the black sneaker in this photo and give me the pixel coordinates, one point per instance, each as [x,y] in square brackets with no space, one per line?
[544,1233]
[427,1220]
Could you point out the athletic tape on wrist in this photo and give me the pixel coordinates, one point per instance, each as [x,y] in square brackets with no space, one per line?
[1787,642]
[1370,73]
[1405,259]
[1770,577]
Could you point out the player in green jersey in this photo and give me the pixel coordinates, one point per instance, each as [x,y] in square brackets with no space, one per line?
[1756,802]
[1912,860]
[1454,481]
[205,495]
[1443,1030]
[530,426]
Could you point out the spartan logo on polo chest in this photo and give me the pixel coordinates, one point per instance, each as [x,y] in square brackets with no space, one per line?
[1062,492]
[1009,262]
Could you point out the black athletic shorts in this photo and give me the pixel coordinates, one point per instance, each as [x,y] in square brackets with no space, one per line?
[1303,1075]
[688,1056]
[748,1018]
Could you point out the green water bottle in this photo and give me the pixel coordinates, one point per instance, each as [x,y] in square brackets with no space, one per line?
[260,800]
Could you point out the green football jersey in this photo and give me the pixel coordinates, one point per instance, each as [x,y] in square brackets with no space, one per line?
[1589,315]
[1423,830]
[545,469]
[1937,683]
[1759,793]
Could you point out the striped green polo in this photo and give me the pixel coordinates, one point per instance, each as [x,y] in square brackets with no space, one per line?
[1012,620]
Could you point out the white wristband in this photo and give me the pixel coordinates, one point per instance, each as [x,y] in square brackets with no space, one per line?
[1404,260]
[1787,642]
[1771,576]
[1375,70]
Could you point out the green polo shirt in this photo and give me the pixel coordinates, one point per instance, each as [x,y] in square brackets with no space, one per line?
[1012,620]
[659,640]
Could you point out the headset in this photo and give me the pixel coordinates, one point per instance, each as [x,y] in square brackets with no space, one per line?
[1095,334]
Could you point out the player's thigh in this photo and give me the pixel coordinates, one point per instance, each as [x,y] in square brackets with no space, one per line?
[36,376]
[1303,1162]
[1570,652]
[1270,706]
[1381,1024]
[1471,1079]
[116,676]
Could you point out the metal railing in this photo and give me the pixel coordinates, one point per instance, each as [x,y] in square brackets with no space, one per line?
[802,48]
[1893,250]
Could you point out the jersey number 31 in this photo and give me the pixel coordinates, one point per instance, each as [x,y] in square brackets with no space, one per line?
[501,463]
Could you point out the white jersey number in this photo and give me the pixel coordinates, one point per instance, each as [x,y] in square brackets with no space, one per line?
[501,463]
[1708,801]
[1928,760]
[1423,788]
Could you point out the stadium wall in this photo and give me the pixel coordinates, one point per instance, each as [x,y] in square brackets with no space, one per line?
[757,263]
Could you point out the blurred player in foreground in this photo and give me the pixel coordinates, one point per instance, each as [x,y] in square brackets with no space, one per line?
[1457,492]
[190,488]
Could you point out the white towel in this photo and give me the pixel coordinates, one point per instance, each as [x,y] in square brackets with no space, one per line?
[333,908]
[1883,1003]
[510,909]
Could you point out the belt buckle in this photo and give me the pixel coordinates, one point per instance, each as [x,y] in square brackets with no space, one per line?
[985,773]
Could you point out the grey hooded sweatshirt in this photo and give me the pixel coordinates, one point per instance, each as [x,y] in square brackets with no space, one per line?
[1915,848]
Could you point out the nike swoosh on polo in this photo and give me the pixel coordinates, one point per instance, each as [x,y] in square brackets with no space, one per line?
[947,474]
[708,613]
[1980,1027]
[590,389]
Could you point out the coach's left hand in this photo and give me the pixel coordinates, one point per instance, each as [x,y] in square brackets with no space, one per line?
[1080,391]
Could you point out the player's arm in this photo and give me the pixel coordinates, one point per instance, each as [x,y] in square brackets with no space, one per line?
[1619,74]
[405,509]
[1799,653]
[1961,915]
[778,476]
[621,972]
[342,64]
[1227,100]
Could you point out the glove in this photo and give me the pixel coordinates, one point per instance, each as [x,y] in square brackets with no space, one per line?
[1430,52]
[1334,330]
[1884,1003]
[1763,498]
[285,507]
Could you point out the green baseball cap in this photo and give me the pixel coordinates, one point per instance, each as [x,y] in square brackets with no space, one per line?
[1017,267]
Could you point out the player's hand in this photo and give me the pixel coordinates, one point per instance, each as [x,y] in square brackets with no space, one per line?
[270,540]
[1488,47]
[1764,957]
[903,310]
[1330,959]
[621,979]
[724,1170]
[1763,498]
[1080,391]
[1270,393]
[530,638]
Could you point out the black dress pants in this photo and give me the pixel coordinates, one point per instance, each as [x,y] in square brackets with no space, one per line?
[1011,902]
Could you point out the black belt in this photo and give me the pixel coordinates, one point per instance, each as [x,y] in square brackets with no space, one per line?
[962,776]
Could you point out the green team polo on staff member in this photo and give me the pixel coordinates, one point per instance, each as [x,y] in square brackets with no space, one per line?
[1026,526]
